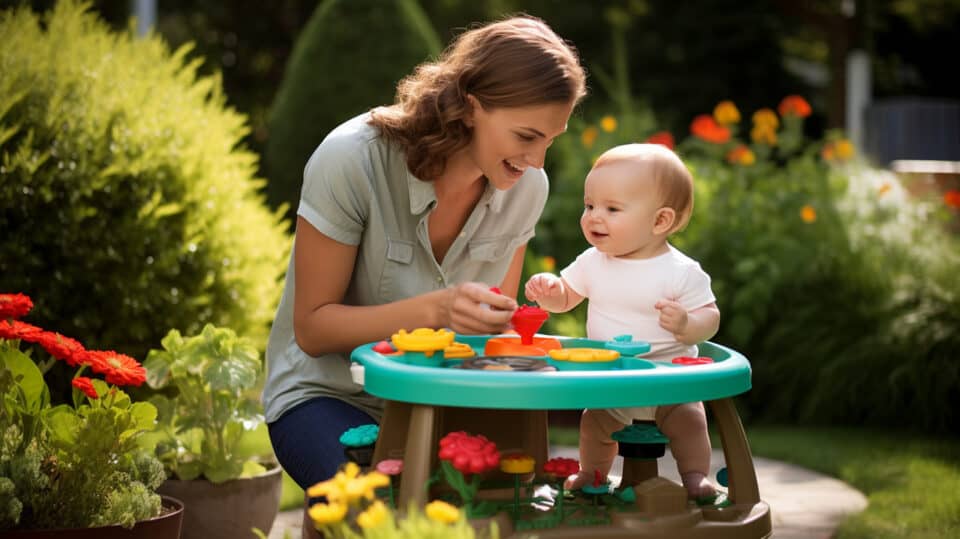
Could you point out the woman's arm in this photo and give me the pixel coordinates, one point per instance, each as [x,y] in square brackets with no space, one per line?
[323,324]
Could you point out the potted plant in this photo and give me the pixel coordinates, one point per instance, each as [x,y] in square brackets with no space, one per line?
[205,411]
[86,467]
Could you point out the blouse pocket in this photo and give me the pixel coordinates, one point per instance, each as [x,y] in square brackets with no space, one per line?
[396,270]
[490,249]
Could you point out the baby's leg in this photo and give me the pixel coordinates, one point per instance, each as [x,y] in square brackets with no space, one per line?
[686,427]
[597,448]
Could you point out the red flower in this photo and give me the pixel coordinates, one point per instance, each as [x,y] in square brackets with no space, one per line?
[469,454]
[794,105]
[706,128]
[15,329]
[663,138]
[61,347]
[117,369]
[952,199]
[86,385]
[14,305]
[561,467]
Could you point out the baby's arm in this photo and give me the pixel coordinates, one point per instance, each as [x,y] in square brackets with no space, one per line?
[691,327]
[552,293]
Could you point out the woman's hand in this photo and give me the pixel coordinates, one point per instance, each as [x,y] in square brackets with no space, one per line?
[474,308]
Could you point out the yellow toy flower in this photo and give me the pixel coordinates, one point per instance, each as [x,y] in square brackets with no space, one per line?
[589,136]
[517,463]
[843,149]
[808,213]
[766,117]
[374,516]
[327,513]
[441,511]
[763,134]
[726,113]
[608,123]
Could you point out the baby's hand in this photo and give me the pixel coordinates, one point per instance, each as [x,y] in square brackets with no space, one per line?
[673,317]
[543,285]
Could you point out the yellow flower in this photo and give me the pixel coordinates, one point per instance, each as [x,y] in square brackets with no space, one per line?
[374,516]
[327,513]
[441,511]
[726,113]
[549,263]
[608,123]
[348,485]
[843,149]
[808,214]
[766,117]
[762,134]
[884,189]
[517,463]
[589,136]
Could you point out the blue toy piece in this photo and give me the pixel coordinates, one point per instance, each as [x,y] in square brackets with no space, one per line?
[627,346]
[360,436]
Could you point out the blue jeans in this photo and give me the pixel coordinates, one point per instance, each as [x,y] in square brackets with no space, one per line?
[306,439]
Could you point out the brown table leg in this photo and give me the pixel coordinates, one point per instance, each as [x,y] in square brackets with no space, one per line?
[417,455]
[742,478]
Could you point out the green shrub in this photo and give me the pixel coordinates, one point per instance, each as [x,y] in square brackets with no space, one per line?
[122,186]
[348,60]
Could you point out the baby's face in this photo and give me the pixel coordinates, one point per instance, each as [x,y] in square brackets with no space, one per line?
[619,211]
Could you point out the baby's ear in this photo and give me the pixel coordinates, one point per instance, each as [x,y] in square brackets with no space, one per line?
[665,219]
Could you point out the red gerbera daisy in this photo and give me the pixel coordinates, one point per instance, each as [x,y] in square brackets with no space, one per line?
[86,385]
[61,347]
[15,329]
[117,369]
[14,305]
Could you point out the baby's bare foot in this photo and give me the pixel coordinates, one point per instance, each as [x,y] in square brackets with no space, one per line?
[697,485]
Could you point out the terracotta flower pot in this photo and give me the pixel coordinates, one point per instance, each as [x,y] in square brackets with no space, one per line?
[230,509]
[165,526]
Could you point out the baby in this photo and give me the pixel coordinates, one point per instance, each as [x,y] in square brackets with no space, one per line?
[635,197]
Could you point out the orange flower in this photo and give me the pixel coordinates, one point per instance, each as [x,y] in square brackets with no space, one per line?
[741,155]
[61,347]
[706,128]
[726,113]
[608,123]
[808,213]
[828,153]
[589,136]
[794,105]
[549,263]
[767,118]
[764,134]
[117,369]
[952,199]
[884,189]
[843,148]
[663,138]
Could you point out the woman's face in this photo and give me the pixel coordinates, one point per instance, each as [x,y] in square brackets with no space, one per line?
[508,140]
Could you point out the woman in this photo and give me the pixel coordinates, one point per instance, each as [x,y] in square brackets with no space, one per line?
[408,214]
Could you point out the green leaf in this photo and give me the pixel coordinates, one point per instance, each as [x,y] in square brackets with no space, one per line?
[63,424]
[28,378]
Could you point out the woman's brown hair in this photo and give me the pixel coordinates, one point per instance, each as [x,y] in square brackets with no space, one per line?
[515,62]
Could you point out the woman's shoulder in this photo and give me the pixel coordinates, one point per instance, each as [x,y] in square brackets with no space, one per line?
[351,144]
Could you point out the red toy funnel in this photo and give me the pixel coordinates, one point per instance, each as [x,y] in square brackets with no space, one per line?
[527,320]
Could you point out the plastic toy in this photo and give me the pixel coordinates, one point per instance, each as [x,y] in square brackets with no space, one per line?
[498,404]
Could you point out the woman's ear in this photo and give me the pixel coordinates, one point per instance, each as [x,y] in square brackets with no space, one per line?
[664,221]
[473,104]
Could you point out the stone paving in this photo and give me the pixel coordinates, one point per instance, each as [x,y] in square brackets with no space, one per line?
[804,504]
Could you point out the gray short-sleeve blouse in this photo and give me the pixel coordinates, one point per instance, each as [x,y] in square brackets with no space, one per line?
[357,190]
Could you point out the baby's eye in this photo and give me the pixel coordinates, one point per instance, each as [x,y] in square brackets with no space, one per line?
[611,209]
[588,206]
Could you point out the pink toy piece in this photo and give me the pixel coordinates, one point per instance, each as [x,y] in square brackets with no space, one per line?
[687,360]
[384,347]
[527,320]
